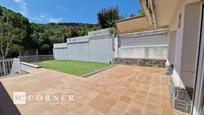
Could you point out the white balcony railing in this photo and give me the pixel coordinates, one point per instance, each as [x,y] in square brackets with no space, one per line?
[9,67]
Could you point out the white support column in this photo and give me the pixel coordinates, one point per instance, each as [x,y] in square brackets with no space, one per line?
[116,47]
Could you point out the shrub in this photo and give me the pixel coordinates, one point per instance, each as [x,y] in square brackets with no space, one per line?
[107,17]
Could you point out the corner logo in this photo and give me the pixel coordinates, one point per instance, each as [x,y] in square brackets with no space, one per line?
[19,98]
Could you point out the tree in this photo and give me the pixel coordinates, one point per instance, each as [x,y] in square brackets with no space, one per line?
[0,12]
[17,34]
[107,17]
[132,15]
[7,37]
[73,31]
[12,31]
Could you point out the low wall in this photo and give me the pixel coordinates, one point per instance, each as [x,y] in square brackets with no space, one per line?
[141,62]
[25,67]
[34,58]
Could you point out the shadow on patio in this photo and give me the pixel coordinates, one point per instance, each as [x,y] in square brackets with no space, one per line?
[6,103]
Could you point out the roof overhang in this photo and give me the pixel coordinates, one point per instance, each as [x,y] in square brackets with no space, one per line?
[148,6]
[134,24]
[158,14]
[162,13]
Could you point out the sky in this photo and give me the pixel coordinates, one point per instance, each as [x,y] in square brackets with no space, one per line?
[84,11]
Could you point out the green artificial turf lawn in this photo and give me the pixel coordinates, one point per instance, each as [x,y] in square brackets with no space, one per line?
[73,67]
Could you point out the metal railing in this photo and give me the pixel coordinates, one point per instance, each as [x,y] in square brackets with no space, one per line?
[5,67]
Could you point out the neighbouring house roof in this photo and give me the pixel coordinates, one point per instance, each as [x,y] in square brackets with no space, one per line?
[134,24]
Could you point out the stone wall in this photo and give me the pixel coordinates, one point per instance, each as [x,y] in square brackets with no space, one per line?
[180,98]
[141,62]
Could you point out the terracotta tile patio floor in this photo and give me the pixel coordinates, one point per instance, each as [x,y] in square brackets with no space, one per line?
[121,90]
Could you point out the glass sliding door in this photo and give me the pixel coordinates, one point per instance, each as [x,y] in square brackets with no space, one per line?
[198,108]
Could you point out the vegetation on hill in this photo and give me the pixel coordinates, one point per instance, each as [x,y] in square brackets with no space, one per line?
[14,32]
[45,35]
[17,34]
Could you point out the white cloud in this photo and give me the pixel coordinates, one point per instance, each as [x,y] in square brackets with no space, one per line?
[23,6]
[37,18]
[41,17]
[54,20]
[44,17]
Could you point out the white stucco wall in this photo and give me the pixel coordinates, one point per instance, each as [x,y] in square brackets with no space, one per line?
[101,50]
[60,51]
[96,47]
[187,45]
[148,52]
[60,54]
[78,51]
[172,47]
[150,45]
[191,43]
[179,40]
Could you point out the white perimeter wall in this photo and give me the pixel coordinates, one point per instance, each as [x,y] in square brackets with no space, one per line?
[96,47]
[101,50]
[78,51]
[60,51]
[150,44]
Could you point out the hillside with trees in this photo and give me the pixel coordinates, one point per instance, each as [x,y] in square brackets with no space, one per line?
[45,35]
[15,31]
[17,34]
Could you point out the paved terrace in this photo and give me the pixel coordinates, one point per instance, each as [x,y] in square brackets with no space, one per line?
[121,90]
